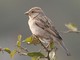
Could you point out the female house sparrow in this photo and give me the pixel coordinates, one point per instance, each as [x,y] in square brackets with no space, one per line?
[42,26]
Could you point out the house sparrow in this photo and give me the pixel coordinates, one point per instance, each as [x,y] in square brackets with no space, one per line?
[41,26]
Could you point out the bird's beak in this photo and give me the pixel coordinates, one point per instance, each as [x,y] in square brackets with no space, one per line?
[26,13]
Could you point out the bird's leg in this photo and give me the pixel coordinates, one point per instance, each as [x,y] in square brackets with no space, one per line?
[48,45]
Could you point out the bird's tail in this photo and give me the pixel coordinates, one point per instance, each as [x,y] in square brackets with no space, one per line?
[64,47]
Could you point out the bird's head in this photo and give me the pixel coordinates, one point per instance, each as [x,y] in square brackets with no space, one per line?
[34,12]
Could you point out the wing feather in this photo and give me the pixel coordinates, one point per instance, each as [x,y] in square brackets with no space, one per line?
[46,25]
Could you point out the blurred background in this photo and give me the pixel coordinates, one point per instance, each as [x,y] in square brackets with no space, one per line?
[13,22]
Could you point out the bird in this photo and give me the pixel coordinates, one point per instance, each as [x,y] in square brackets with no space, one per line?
[41,26]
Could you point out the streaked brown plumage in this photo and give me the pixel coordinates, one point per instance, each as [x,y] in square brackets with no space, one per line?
[42,27]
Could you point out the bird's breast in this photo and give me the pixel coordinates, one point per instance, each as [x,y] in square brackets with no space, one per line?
[35,29]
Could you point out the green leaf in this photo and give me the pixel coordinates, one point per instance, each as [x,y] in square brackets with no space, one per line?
[7,50]
[19,40]
[38,54]
[13,53]
[35,40]
[71,27]
[28,40]
[35,58]
[18,43]
[52,45]
[52,55]
[19,37]
[32,40]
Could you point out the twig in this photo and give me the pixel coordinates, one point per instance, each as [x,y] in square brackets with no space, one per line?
[48,51]
[44,46]
[25,49]
[25,54]
[48,55]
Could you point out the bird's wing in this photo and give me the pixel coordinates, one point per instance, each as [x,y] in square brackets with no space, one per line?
[46,25]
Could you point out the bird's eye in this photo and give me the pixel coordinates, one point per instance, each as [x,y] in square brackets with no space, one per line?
[32,11]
